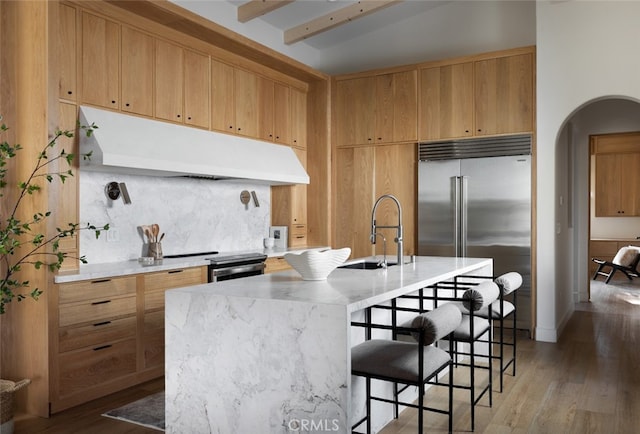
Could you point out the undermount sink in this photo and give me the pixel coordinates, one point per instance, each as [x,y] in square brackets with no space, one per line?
[366,265]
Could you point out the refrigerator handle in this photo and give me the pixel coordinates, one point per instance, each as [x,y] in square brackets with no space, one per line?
[455,191]
[463,214]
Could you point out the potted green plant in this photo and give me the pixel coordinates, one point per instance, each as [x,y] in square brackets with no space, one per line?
[21,243]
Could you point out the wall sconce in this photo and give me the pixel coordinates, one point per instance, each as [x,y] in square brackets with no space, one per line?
[113,190]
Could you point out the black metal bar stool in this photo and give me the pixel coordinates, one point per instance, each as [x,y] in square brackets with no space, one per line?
[408,363]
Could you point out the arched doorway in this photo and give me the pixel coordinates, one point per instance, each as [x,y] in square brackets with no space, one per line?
[573,215]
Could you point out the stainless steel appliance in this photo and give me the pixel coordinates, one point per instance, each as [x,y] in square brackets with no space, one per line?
[235,266]
[227,267]
[474,199]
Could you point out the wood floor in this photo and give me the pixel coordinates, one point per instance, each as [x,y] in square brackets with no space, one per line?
[589,382]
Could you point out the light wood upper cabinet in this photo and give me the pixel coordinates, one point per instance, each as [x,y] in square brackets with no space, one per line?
[246,103]
[446,101]
[281,108]
[223,110]
[274,114]
[504,95]
[181,85]
[169,61]
[100,61]
[355,115]
[266,116]
[617,186]
[486,97]
[196,89]
[617,174]
[298,118]
[67,53]
[137,72]
[396,110]
[377,109]
[251,105]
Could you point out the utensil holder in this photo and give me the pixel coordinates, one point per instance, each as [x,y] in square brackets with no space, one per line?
[155,250]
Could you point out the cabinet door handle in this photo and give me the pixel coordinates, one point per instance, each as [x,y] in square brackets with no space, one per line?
[101,302]
[101,281]
[174,271]
[104,347]
[98,324]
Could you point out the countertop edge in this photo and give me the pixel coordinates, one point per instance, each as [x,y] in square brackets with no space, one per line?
[132,267]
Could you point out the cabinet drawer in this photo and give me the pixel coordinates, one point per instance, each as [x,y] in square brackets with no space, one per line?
[71,338]
[174,278]
[298,229]
[277,263]
[91,289]
[298,236]
[85,369]
[97,310]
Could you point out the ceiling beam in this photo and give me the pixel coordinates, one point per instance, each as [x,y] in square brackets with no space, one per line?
[255,8]
[334,19]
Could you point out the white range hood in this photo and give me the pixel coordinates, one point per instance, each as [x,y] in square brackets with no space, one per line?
[140,146]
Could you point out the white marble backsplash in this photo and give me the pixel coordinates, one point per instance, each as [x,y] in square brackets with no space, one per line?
[197,215]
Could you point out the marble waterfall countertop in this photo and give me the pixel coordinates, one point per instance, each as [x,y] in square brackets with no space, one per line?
[355,289]
[125,268]
[271,353]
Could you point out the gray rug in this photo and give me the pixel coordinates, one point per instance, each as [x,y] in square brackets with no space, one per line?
[148,412]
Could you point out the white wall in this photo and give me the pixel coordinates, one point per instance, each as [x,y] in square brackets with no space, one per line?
[585,51]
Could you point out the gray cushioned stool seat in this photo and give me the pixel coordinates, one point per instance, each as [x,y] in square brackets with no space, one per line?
[395,359]
[495,310]
[463,332]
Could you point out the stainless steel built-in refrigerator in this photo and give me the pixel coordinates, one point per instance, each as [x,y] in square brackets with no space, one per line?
[474,199]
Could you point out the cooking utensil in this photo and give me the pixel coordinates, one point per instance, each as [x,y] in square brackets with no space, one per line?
[155,230]
[147,232]
[161,237]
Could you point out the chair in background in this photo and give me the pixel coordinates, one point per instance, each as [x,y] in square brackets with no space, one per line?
[408,363]
[625,261]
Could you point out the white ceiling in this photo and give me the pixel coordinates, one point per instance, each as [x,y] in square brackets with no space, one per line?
[411,31]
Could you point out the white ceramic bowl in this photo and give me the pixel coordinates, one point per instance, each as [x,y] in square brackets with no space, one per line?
[317,264]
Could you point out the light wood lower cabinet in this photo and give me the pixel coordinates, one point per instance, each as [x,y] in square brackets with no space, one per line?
[109,333]
[154,287]
[88,368]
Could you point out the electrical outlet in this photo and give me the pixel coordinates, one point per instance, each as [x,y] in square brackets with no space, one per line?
[112,235]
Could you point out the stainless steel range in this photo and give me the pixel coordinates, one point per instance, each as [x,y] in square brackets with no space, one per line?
[227,267]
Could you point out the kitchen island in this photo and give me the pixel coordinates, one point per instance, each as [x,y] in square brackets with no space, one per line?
[271,353]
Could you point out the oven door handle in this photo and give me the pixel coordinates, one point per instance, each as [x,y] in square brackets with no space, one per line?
[236,269]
